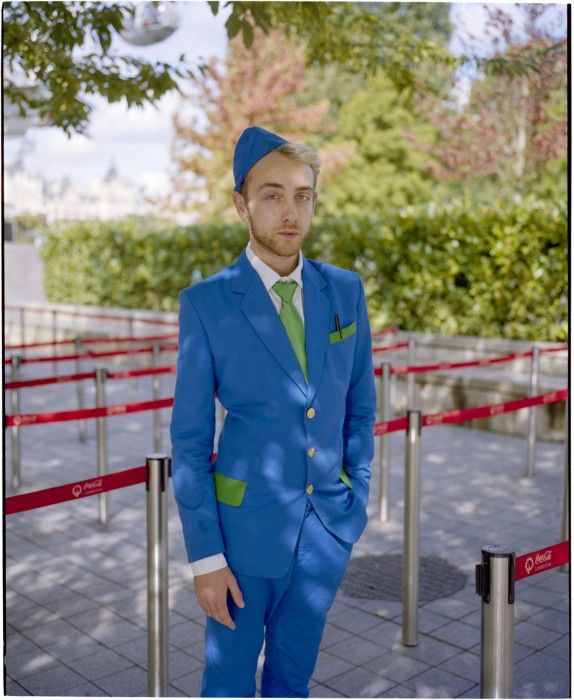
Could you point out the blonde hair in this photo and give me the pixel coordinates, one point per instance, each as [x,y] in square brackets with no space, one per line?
[299,152]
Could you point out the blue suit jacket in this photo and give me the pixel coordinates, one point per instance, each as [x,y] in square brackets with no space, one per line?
[250,503]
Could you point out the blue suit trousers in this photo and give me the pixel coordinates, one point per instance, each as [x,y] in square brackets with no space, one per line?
[287,613]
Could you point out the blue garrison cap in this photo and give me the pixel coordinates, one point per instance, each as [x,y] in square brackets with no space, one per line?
[252,145]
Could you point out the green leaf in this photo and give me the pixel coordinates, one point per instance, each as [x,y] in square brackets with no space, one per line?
[247,34]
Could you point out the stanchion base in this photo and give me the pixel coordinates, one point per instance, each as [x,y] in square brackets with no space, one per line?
[409,644]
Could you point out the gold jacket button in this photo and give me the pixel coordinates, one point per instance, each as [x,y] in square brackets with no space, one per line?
[311,452]
[309,489]
[310,413]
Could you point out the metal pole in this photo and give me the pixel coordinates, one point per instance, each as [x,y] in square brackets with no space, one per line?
[101,374]
[410,377]
[80,389]
[54,338]
[495,584]
[565,530]
[531,438]
[130,326]
[158,466]
[383,444]
[155,359]
[411,529]
[15,363]
[22,326]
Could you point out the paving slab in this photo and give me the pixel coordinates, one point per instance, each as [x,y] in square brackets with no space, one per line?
[329,666]
[396,667]
[76,589]
[540,676]
[436,683]
[359,683]
[356,650]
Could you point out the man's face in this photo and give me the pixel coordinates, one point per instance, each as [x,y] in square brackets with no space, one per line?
[279,205]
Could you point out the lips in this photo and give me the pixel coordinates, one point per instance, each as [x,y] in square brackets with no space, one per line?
[289,233]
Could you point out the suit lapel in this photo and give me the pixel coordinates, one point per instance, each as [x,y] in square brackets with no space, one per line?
[260,312]
[317,310]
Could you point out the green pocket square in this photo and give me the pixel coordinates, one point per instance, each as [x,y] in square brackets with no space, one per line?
[335,336]
[229,491]
[343,476]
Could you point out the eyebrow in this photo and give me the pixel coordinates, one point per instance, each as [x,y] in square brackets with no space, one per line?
[280,186]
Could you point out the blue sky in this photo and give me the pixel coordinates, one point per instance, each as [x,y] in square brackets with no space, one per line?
[137,141]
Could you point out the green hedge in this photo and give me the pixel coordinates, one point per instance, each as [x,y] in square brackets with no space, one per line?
[460,269]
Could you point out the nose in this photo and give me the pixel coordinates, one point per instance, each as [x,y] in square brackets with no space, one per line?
[289,214]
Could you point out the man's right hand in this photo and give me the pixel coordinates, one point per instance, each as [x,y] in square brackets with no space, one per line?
[211,591]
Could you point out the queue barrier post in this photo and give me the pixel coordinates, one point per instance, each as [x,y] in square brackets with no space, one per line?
[101,375]
[411,563]
[495,585]
[55,338]
[155,383]
[15,363]
[565,530]
[383,444]
[22,326]
[531,437]
[80,388]
[410,391]
[158,473]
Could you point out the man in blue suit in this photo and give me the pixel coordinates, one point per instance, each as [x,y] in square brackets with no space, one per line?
[284,342]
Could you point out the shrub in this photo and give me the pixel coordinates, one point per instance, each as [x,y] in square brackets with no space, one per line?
[460,268]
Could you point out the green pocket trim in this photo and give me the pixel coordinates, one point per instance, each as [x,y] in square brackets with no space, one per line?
[229,491]
[335,336]
[343,476]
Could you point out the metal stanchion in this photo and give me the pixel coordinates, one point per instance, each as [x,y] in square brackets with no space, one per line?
[531,438]
[411,529]
[54,338]
[130,326]
[495,585]
[15,363]
[80,389]
[22,326]
[155,359]
[565,530]
[410,377]
[383,444]
[158,471]
[101,374]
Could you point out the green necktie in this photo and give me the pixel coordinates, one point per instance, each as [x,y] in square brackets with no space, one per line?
[292,321]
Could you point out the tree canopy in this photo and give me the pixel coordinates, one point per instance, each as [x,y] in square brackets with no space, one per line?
[51,42]
[48,42]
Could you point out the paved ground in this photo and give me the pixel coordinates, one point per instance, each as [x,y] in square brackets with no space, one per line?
[76,590]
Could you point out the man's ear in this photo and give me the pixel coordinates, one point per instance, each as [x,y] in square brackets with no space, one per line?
[240,206]
[315,196]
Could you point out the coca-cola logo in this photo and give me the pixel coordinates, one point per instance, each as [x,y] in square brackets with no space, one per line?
[538,561]
[543,557]
[87,488]
[494,410]
[115,410]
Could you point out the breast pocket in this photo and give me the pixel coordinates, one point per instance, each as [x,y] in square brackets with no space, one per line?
[343,334]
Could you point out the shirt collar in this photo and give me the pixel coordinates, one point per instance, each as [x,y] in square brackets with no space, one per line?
[268,274]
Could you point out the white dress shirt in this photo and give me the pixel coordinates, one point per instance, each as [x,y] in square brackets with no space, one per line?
[268,277]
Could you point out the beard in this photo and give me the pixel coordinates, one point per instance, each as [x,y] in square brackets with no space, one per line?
[274,242]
